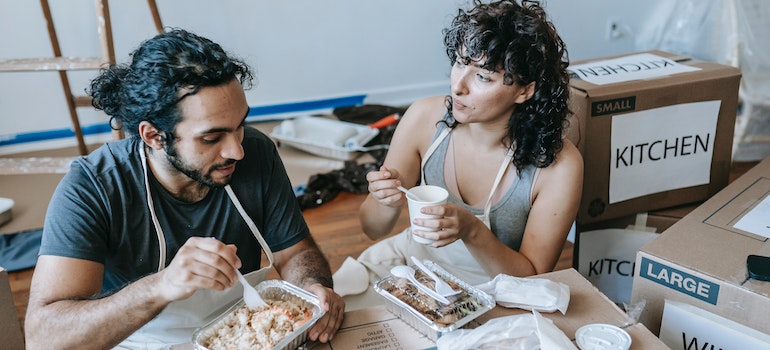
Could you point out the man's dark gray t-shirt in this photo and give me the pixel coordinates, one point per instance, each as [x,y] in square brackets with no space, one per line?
[99,211]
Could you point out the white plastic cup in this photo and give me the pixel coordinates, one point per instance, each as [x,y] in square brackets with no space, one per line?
[429,196]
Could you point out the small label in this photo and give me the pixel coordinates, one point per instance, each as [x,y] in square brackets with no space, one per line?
[615,106]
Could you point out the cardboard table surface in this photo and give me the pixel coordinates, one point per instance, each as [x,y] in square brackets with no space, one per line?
[31,194]
[376,328]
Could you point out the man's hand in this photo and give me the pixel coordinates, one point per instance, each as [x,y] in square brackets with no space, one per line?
[199,263]
[334,306]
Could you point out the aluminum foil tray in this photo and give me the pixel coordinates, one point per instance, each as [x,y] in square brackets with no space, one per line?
[325,137]
[271,290]
[475,300]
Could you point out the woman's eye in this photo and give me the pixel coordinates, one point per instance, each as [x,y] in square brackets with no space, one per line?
[483,78]
[459,63]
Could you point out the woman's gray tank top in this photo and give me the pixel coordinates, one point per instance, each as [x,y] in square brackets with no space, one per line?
[508,217]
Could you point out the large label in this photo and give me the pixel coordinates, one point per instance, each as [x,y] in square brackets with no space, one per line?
[679,280]
[662,149]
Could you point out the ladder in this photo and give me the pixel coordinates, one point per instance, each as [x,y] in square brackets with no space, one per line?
[63,64]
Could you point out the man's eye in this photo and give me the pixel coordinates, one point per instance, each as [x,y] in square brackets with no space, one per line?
[459,63]
[483,78]
[211,140]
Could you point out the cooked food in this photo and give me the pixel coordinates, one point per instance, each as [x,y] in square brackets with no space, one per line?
[462,304]
[257,328]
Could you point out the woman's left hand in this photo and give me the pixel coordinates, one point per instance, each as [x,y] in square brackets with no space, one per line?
[453,223]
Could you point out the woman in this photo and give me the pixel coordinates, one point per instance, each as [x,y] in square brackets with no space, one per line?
[495,143]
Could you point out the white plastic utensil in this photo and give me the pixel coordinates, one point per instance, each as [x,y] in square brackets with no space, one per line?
[408,195]
[404,271]
[441,287]
[250,295]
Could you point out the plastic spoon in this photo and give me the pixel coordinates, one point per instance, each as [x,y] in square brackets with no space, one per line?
[441,287]
[408,194]
[250,295]
[407,272]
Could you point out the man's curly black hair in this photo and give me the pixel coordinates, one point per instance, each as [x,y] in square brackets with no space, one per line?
[520,40]
[163,70]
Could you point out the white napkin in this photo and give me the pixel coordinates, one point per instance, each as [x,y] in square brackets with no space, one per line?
[351,278]
[519,332]
[528,293]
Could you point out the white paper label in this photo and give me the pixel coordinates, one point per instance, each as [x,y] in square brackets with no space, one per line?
[662,149]
[687,327]
[628,68]
[607,258]
[757,221]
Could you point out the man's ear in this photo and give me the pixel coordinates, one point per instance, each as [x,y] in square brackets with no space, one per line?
[151,135]
[526,93]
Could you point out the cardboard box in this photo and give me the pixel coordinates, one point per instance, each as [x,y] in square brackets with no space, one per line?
[655,130]
[375,327]
[10,329]
[605,252]
[31,194]
[701,260]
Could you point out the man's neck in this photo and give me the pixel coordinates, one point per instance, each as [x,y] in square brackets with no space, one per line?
[179,185]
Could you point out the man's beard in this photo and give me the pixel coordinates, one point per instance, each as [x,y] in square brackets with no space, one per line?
[204,179]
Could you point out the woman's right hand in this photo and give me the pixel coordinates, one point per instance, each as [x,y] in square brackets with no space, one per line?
[383,186]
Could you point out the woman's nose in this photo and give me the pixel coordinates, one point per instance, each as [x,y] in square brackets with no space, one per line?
[459,86]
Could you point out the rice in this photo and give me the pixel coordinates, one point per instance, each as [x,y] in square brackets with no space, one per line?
[259,328]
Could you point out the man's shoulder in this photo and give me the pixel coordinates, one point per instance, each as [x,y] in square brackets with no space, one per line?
[254,139]
[121,155]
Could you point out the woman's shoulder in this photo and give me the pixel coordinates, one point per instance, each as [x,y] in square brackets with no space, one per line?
[568,162]
[426,111]
[432,103]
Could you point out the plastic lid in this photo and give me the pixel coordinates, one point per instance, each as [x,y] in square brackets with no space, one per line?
[600,336]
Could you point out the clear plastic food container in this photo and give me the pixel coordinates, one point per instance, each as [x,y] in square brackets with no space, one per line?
[426,314]
[270,290]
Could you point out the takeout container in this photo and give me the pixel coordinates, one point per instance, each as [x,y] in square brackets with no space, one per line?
[271,290]
[325,137]
[484,302]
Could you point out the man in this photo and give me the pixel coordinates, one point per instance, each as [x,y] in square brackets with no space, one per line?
[143,237]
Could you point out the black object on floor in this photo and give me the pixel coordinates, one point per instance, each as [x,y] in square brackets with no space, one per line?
[18,251]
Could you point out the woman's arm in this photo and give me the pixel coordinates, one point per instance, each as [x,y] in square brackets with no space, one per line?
[382,207]
[555,201]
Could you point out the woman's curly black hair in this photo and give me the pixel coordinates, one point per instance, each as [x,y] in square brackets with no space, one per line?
[520,40]
[163,70]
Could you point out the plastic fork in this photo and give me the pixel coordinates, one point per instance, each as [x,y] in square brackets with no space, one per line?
[250,295]
[441,287]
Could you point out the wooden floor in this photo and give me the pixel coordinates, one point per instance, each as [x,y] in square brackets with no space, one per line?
[335,227]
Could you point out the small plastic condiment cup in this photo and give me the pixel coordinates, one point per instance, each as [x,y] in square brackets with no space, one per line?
[599,336]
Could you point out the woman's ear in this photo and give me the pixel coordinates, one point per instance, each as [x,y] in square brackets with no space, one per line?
[151,135]
[526,93]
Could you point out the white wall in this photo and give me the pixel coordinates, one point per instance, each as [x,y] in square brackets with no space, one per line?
[302,50]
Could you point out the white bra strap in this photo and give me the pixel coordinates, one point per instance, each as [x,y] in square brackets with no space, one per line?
[498,179]
[430,150]
[151,206]
[250,223]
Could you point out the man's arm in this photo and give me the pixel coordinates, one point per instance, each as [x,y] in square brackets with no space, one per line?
[304,265]
[64,311]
